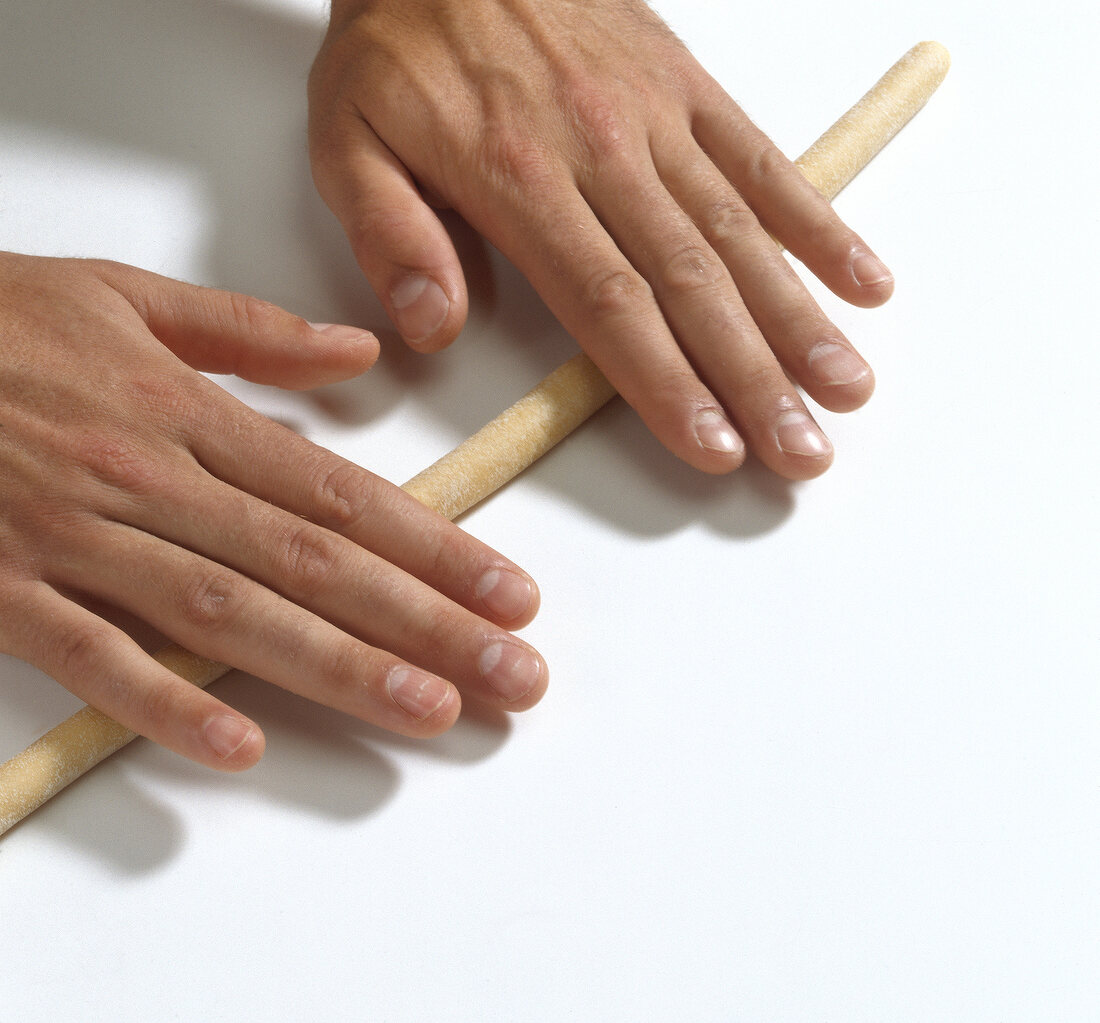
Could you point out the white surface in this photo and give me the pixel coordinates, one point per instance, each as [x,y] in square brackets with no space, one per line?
[816,752]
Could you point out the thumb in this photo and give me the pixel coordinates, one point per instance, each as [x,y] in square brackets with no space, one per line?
[225,332]
[400,244]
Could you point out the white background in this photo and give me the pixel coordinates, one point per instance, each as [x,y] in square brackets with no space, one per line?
[811,752]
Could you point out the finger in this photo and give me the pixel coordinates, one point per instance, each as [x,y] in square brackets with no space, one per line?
[224,332]
[359,592]
[319,486]
[710,321]
[399,242]
[108,670]
[809,347]
[229,618]
[602,300]
[789,207]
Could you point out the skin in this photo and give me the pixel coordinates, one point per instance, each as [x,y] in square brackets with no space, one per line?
[131,479]
[635,195]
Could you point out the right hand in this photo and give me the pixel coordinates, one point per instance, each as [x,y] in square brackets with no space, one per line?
[130,478]
[583,140]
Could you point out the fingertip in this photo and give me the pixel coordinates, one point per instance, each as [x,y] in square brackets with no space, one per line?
[842,398]
[874,283]
[804,471]
[428,705]
[799,450]
[883,292]
[235,742]
[707,442]
[313,355]
[515,673]
[534,695]
[442,720]
[343,334]
[837,377]
[509,596]
[427,315]
[719,448]
[352,346]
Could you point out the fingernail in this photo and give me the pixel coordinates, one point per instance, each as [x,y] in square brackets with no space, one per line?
[341,332]
[798,434]
[868,270]
[226,734]
[835,365]
[512,670]
[507,595]
[714,432]
[416,692]
[420,306]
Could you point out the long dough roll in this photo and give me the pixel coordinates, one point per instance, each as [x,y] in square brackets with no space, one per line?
[500,450]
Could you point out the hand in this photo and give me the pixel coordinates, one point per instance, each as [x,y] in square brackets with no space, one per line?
[130,478]
[583,140]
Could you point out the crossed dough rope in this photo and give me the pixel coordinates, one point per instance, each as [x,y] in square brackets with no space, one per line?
[500,450]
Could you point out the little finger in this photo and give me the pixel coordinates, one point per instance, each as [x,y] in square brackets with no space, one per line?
[108,670]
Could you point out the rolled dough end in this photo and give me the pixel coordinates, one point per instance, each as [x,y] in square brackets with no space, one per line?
[850,144]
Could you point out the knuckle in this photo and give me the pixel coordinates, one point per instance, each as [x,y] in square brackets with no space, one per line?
[77,650]
[338,499]
[826,229]
[767,162]
[119,463]
[19,556]
[445,553]
[10,624]
[691,268]
[510,156]
[383,225]
[616,292]
[311,557]
[156,707]
[728,219]
[253,314]
[210,601]
[600,119]
[113,273]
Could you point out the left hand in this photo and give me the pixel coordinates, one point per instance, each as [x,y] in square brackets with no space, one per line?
[582,139]
[129,477]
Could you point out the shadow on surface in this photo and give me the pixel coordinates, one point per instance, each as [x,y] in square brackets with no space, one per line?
[318,762]
[124,828]
[322,762]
